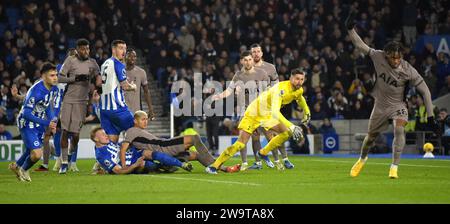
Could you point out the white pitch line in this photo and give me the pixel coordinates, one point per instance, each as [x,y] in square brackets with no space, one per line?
[401,164]
[205,180]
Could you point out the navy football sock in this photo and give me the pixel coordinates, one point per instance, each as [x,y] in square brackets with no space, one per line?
[28,163]
[73,157]
[166,159]
[22,158]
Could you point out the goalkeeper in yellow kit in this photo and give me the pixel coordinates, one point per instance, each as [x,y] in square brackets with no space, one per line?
[264,111]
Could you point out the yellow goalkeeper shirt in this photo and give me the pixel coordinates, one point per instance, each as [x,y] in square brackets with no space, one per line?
[268,104]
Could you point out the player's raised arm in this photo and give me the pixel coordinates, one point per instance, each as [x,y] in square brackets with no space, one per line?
[223,94]
[356,40]
[227,92]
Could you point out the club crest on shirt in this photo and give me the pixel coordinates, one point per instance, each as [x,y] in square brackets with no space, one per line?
[31,102]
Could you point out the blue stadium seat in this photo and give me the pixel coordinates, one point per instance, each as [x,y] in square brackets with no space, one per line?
[12,12]
[2,28]
[71,42]
[13,15]
[61,57]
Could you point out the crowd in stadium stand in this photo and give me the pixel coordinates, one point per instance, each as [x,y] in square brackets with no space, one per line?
[181,37]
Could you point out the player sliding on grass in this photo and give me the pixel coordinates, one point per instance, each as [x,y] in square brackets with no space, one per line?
[136,162]
[178,147]
[264,111]
[393,75]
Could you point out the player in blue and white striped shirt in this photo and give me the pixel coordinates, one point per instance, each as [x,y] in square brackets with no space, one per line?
[35,116]
[114,113]
[106,154]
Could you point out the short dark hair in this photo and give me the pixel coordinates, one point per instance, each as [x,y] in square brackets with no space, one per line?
[82,42]
[47,66]
[129,50]
[443,110]
[245,54]
[255,46]
[297,71]
[93,131]
[190,125]
[393,47]
[71,51]
[114,43]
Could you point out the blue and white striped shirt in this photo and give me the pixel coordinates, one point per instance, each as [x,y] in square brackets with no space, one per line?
[108,156]
[59,97]
[113,72]
[36,111]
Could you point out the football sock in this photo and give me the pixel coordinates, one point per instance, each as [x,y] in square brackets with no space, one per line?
[397,144]
[256,145]
[46,152]
[243,153]
[28,163]
[149,165]
[203,156]
[64,155]
[73,158]
[229,152]
[57,143]
[166,159]
[275,142]
[283,151]
[367,143]
[22,158]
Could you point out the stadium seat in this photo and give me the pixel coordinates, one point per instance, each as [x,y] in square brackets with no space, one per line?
[71,42]
[2,28]
[13,15]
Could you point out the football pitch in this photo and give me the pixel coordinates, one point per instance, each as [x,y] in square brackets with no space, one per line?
[314,179]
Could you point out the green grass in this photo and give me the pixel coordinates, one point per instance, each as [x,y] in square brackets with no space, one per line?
[313,180]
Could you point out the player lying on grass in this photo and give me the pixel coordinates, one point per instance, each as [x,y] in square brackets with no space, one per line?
[178,147]
[264,111]
[137,162]
[393,75]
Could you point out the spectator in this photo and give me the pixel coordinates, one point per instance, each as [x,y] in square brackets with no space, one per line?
[4,134]
[443,70]
[446,89]
[357,89]
[444,120]
[338,105]
[409,22]
[357,111]
[327,127]
[421,116]
[3,119]
[318,112]
[186,40]
[226,127]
